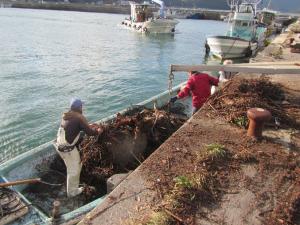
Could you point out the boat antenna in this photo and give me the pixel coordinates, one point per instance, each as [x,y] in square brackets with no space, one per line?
[253,2]
[232,4]
[269,4]
[162,7]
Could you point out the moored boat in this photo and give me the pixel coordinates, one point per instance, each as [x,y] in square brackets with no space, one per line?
[36,161]
[244,37]
[226,47]
[144,21]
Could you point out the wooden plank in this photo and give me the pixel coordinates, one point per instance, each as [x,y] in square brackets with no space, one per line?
[292,63]
[268,66]
[15,204]
[23,210]
[246,68]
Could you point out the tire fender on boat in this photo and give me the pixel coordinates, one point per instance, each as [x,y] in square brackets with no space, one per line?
[145,29]
[207,48]
[248,51]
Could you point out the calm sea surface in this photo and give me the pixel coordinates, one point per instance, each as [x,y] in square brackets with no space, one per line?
[48,57]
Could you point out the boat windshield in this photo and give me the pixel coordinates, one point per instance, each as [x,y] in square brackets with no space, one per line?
[244,29]
[244,32]
[242,23]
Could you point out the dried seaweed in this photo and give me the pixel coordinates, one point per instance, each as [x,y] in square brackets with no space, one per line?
[238,95]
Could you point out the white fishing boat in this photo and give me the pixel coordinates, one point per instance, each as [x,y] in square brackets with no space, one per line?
[35,204]
[244,37]
[144,21]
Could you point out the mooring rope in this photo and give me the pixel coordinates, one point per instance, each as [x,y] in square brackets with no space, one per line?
[50,184]
[171,78]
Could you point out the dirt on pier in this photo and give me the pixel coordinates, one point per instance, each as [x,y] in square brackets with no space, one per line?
[212,173]
[238,95]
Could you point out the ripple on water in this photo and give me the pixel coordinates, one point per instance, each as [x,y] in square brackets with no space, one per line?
[47,57]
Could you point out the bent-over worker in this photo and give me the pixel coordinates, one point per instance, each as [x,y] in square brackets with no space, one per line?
[199,85]
[68,140]
[224,76]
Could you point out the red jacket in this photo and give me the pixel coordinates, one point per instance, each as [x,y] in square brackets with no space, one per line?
[199,84]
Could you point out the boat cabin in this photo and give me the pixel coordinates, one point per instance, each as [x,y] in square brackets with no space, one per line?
[140,12]
[244,23]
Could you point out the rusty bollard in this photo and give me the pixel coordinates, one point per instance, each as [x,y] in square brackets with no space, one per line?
[55,210]
[257,117]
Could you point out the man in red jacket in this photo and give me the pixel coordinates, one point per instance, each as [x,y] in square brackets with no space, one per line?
[199,85]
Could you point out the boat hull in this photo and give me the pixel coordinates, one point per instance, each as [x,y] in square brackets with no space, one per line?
[26,165]
[225,47]
[156,26]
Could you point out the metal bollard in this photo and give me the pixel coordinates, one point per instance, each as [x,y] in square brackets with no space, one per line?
[257,117]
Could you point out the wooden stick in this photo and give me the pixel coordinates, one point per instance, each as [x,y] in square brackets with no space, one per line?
[174,216]
[18,182]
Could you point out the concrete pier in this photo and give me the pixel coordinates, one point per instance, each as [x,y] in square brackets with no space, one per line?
[145,191]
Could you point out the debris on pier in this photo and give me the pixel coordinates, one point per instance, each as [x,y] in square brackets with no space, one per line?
[211,172]
[238,95]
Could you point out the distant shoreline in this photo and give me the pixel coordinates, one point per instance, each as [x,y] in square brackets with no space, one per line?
[74,7]
[182,13]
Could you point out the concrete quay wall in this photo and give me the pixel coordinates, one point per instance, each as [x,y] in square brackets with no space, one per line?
[180,13]
[134,197]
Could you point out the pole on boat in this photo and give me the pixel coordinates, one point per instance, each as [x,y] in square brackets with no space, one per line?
[258,67]
[18,182]
[263,67]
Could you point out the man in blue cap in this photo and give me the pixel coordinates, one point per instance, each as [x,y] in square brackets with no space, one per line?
[68,140]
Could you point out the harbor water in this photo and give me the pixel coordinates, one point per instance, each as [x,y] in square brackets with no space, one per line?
[48,57]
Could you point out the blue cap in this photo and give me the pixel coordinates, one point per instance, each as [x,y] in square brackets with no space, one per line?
[76,103]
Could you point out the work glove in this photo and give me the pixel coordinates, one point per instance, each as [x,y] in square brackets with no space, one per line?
[100,130]
[98,127]
[173,100]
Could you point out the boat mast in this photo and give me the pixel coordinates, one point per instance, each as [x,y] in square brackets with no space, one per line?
[254,3]
[269,4]
[162,8]
[233,4]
